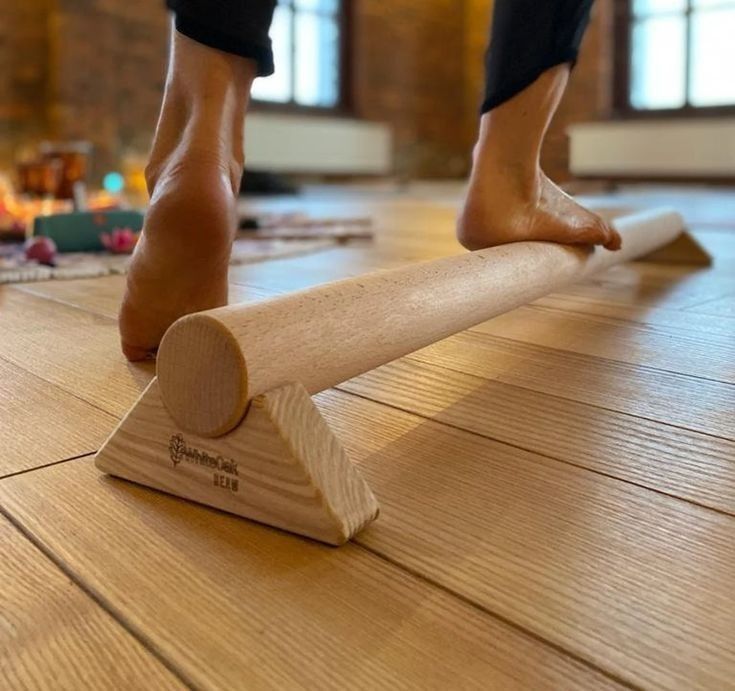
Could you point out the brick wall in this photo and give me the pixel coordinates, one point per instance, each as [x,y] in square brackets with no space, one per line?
[409,71]
[109,59]
[94,69]
[24,74]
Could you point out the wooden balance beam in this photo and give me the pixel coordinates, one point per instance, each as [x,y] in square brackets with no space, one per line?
[229,421]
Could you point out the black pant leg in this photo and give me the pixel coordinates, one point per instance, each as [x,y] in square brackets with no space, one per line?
[527,38]
[239,27]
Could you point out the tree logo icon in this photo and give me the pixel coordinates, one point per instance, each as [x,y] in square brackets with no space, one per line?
[176,448]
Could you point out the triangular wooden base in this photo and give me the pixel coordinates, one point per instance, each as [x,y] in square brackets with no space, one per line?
[685,250]
[281,466]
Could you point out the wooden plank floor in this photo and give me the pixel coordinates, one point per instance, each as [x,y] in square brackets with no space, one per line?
[557,486]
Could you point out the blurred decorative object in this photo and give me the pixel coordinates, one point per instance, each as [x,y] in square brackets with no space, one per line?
[40,178]
[74,160]
[133,172]
[17,212]
[113,182]
[42,250]
[120,240]
[81,231]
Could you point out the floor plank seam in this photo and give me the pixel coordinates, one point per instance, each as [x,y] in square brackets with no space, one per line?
[86,454]
[60,301]
[73,394]
[498,617]
[464,373]
[706,302]
[147,643]
[656,329]
[578,310]
[647,368]
[539,453]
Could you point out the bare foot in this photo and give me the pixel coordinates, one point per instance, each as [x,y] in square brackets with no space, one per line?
[505,206]
[510,199]
[181,262]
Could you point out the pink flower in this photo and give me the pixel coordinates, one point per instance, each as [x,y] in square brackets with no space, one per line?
[120,240]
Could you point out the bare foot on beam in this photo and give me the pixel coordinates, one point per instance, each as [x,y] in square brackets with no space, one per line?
[503,207]
[510,199]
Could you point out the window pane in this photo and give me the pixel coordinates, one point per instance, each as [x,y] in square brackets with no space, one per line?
[658,63]
[277,87]
[317,62]
[713,58]
[323,6]
[648,7]
[698,4]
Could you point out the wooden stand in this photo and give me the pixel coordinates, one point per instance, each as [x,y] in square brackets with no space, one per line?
[225,425]
[281,466]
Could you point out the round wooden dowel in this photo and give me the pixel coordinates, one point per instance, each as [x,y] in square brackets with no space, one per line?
[211,364]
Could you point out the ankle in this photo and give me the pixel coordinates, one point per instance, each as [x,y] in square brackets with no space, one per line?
[203,111]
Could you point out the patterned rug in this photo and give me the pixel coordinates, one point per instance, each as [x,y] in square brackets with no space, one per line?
[15,268]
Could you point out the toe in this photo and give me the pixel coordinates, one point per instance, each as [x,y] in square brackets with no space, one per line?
[614,242]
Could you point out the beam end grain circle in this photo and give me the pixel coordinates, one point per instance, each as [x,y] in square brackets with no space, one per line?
[204,400]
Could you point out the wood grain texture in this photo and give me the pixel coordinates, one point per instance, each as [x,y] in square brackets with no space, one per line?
[652,346]
[701,405]
[74,349]
[101,295]
[706,326]
[636,582]
[104,295]
[288,275]
[281,466]
[722,307]
[212,363]
[39,423]
[672,287]
[236,605]
[54,636]
[689,465]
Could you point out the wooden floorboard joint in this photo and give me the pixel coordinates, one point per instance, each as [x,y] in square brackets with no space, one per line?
[592,405]
[100,601]
[86,454]
[495,615]
[536,452]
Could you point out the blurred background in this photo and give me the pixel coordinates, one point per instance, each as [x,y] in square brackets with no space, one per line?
[367,89]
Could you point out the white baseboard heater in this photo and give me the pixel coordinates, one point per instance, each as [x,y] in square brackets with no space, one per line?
[693,148]
[317,145]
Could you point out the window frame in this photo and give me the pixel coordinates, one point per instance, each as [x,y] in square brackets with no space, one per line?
[623,108]
[344,105]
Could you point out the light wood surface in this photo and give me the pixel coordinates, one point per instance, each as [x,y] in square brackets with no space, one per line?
[235,605]
[694,319]
[685,352]
[76,350]
[39,422]
[634,581]
[281,466]
[702,405]
[672,460]
[54,636]
[211,364]
[721,307]
[551,557]
[103,295]
[673,287]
